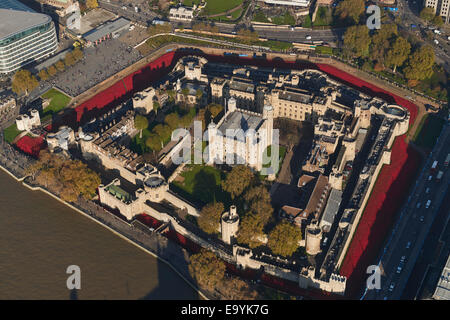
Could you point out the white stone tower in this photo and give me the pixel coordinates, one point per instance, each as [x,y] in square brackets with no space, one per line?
[229,225]
[313,238]
[231,105]
[268,115]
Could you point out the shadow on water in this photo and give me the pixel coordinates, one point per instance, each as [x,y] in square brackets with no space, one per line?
[73,294]
[167,288]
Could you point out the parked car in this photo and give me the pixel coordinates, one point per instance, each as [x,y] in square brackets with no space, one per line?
[308,38]
[391,287]
[428,204]
[408,245]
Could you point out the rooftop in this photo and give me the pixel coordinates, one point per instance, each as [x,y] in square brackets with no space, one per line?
[241,120]
[106,29]
[443,286]
[13,21]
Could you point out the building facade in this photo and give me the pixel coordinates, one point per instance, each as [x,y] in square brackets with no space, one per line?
[25,36]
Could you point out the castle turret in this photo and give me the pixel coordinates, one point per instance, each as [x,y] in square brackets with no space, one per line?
[268,115]
[229,225]
[313,238]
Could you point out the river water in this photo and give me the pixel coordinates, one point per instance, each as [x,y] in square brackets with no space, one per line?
[40,238]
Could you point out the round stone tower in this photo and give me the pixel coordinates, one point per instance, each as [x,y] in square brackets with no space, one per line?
[229,225]
[232,105]
[313,238]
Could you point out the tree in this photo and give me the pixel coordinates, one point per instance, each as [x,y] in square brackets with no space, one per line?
[437,21]
[209,220]
[163,131]
[172,120]
[238,180]
[60,65]
[398,53]
[258,200]
[77,54]
[284,239]
[248,36]
[69,59]
[91,4]
[43,75]
[427,14]
[199,94]
[215,109]
[140,123]
[52,71]
[153,142]
[251,231]
[156,105]
[420,64]
[24,81]
[350,10]
[207,269]
[380,42]
[357,41]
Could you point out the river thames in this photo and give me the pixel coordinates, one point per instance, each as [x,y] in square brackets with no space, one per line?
[40,238]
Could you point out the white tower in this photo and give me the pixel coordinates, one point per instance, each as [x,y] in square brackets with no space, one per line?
[231,105]
[229,225]
[313,238]
[268,115]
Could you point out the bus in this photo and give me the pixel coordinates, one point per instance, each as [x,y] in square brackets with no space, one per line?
[447,160]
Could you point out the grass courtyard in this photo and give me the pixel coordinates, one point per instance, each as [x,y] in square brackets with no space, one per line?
[202,184]
[11,133]
[58,101]
[219,6]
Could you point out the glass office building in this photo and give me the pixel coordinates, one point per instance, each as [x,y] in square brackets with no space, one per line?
[25,36]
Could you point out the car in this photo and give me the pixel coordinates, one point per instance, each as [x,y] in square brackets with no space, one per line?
[308,38]
[418,205]
[399,269]
[448,38]
[421,218]
[427,190]
[292,28]
[402,259]
[428,204]
[430,178]
[408,245]
[391,287]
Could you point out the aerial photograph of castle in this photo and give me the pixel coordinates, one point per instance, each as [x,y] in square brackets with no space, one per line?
[198,150]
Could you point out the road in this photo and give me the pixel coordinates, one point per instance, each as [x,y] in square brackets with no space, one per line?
[410,16]
[403,248]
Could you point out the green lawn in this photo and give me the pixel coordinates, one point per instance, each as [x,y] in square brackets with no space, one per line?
[429,131]
[234,15]
[219,6]
[190,3]
[11,133]
[284,19]
[323,17]
[281,153]
[58,102]
[202,184]
[260,17]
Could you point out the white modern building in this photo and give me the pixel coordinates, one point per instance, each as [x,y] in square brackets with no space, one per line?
[440,7]
[181,13]
[25,36]
[291,3]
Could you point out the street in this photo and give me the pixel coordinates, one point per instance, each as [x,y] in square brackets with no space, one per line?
[404,246]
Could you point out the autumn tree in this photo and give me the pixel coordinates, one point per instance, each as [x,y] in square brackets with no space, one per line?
[43,75]
[419,66]
[60,66]
[172,120]
[251,231]
[24,82]
[258,200]
[52,71]
[350,10]
[427,14]
[398,53]
[207,269]
[209,219]
[437,21]
[140,123]
[238,180]
[248,36]
[77,54]
[153,142]
[215,109]
[91,4]
[284,239]
[163,131]
[380,42]
[69,59]
[357,41]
